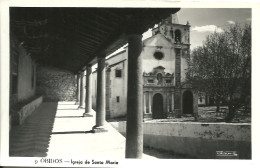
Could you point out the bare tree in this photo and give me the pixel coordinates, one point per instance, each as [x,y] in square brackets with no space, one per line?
[222,67]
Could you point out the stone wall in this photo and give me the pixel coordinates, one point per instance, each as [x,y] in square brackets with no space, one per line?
[118,91]
[116,87]
[55,84]
[196,140]
[22,74]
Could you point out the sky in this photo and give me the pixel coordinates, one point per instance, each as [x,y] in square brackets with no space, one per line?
[204,21]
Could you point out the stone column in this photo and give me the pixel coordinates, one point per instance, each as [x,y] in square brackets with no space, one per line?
[177,100]
[150,102]
[144,104]
[81,102]
[101,96]
[172,94]
[108,91]
[88,99]
[134,127]
[168,103]
[78,88]
[195,104]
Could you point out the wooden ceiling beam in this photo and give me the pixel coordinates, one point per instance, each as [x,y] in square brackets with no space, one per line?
[96,23]
[112,14]
[85,26]
[82,47]
[89,39]
[84,52]
[86,31]
[102,17]
[90,29]
[87,44]
[90,36]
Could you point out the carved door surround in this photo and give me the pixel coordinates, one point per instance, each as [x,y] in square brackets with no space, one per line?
[158,78]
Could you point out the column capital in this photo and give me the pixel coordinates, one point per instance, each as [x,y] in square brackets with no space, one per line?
[89,69]
[130,25]
[134,36]
[82,71]
[101,54]
[89,65]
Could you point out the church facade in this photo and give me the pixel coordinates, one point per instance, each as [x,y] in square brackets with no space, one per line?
[165,62]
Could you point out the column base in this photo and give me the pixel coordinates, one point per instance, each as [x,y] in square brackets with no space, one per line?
[81,107]
[99,129]
[178,113]
[76,103]
[195,116]
[87,114]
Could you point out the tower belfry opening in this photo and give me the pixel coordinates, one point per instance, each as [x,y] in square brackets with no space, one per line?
[177,35]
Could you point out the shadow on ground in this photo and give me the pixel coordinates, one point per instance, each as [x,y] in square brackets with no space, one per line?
[32,138]
[162,154]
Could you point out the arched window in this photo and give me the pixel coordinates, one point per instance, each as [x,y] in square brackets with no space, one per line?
[177,34]
[159,78]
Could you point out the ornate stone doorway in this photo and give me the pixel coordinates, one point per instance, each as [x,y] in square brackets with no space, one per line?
[157,106]
[187,102]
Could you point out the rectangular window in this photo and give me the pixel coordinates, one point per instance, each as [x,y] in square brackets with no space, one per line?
[150,80]
[118,73]
[168,81]
[117,99]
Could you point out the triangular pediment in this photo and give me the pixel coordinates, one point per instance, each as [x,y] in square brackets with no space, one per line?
[158,40]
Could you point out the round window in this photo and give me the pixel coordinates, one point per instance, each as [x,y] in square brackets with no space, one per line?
[158,55]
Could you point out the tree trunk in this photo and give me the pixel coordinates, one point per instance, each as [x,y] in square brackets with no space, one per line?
[231,113]
[217,105]
[232,108]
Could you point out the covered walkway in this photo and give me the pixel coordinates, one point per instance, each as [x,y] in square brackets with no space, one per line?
[57,129]
[74,39]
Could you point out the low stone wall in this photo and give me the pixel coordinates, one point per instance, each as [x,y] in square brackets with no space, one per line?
[196,140]
[26,110]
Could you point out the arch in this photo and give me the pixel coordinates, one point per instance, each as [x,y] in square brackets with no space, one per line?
[177,34]
[158,106]
[187,102]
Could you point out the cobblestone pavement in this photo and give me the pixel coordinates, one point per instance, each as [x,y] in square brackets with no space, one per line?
[59,130]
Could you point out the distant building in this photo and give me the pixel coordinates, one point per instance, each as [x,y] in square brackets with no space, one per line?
[205,100]
[165,55]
